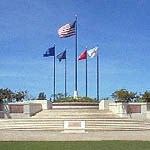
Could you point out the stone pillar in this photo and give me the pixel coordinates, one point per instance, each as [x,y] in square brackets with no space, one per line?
[104,105]
[26,109]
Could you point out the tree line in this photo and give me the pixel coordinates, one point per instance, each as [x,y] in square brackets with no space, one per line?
[8,95]
[121,95]
[124,95]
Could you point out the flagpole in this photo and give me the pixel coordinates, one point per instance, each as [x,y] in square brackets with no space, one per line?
[98,74]
[54,75]
[65,78]
[86,73]
[76,91]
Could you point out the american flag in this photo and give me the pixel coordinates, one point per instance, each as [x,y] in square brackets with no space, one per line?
[67,30]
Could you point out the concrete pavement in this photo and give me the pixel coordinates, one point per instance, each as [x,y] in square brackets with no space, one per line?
[8,135]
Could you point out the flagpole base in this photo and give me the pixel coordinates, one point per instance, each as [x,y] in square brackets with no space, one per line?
[75,95]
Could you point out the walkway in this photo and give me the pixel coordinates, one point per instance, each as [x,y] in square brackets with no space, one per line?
[6,135]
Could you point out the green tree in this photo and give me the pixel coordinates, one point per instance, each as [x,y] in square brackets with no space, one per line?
[145,96]
[20,95]
[6,94]
[41,96]
[124,96]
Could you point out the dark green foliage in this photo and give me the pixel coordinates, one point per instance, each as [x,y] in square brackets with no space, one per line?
[146,96]
[58,96]
[8,95]
[19,96]
[80,99]
[124,96]
[41,96]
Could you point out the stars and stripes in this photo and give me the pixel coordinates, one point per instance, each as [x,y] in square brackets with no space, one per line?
[67,30]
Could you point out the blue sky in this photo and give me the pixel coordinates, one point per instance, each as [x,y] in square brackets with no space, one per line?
[121,29]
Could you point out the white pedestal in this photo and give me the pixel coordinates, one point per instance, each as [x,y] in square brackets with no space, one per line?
[74,127]
[75,94]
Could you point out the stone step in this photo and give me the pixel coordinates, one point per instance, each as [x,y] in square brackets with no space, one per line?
[61,119]
[116,125]
[112,123]
[57,128]
[76,110]
[115,129]
[33,123]
[89,121]
[52,112]
[32,128]
[104,120]
[60,122]
[53,120]
[65,115]
[53,126]
[73,113]
[77,117]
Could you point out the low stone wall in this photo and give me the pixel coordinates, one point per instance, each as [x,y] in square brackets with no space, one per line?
[16,108]
[32,108]
[24,109]
[148,115]
[45,104]
[1,110]
[104,105]
[138,111]
[20,110]
[1,114]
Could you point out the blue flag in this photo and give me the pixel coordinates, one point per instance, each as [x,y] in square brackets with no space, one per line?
[50,52]
[61,56]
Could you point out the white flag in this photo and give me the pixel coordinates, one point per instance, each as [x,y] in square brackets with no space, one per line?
[92,52]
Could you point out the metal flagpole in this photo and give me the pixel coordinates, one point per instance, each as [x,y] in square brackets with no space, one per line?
[86,73]
[65,78]
[54,74]
[98,74]
[76,90]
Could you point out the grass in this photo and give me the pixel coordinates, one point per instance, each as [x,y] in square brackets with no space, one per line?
[84,145]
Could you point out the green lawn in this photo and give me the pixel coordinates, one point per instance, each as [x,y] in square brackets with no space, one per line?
[85,145]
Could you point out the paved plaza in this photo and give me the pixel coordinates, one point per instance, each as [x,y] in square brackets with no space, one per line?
[8,135]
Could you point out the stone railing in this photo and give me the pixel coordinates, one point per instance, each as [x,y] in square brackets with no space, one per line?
[45,103]
[24,109]
[32,108]
[140,111]
[20,110]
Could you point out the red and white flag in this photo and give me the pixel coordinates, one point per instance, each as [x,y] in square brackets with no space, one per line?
[67,30]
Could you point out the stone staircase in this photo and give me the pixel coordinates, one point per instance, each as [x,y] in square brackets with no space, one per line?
[95,120]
